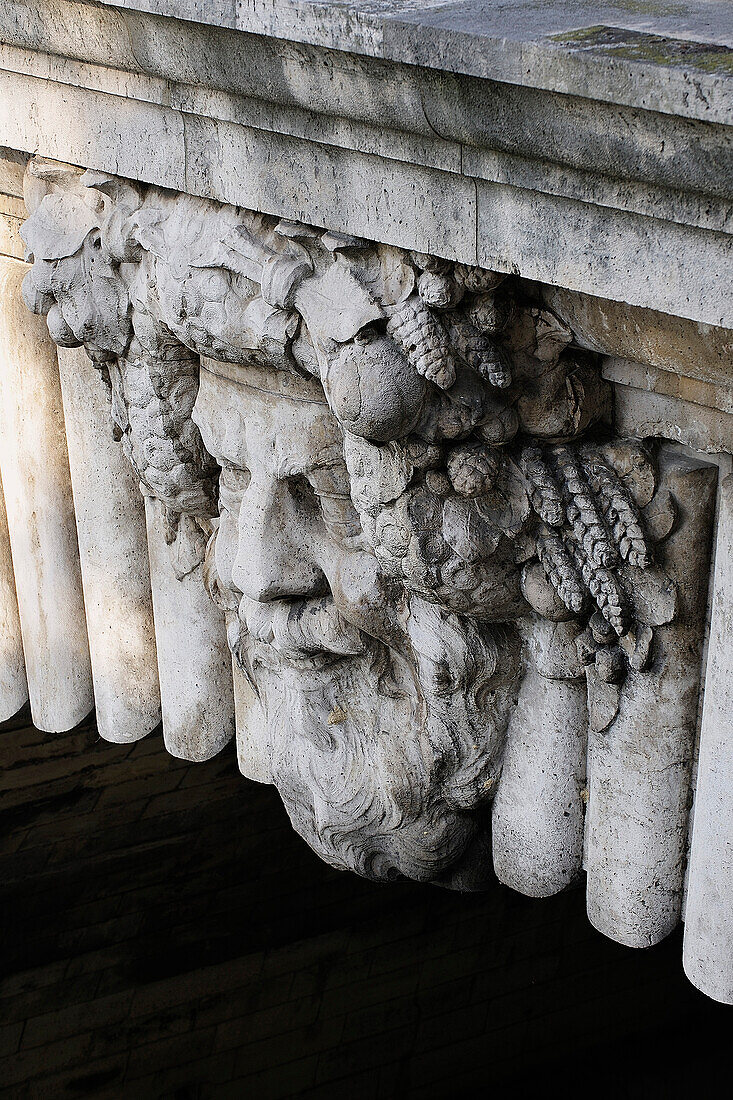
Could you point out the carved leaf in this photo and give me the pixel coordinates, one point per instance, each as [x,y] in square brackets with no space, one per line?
[466,532]
[660,515]
[335,305]
[551,336]
[506,505]
[603,701]
[637,645]
[59,227]
[652,594]
[386,275]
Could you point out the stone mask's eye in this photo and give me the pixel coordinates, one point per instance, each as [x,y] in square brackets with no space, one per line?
[233,483]
[331,486]
[302,492]
[331,481]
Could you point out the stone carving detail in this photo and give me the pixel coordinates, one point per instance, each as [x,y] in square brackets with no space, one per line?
[407,472]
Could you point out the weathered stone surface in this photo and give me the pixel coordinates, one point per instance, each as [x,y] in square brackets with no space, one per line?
[644,336]
[708,948]
[539,810]
[13,683]
[644,414]
[40,509]
[669,384]
[640,764]
[417,109]
[632,65]
[194,664]
[110,522]
[12,213]
[458,577]
[519,229]
[411,503]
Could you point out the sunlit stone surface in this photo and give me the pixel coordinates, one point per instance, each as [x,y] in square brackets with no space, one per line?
[110,520]
[40,509]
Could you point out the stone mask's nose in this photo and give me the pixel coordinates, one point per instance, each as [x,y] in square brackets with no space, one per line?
[276,552]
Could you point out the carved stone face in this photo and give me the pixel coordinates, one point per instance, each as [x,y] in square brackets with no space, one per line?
[385,714]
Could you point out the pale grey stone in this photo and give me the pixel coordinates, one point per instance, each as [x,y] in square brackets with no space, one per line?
[13,683]
[551,45]
[11,220]
[12,167]
[639,765]
[669,383]
[110,522]
[40,510]
[538,813]
[390,481]
[93,129]
[358,399]
[708,944]
[408,205]
[644,415]
[519,231]
[695,351]
[253,752]
[576,154]
[194,664]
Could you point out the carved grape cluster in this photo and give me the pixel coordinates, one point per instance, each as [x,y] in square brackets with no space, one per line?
[438,517]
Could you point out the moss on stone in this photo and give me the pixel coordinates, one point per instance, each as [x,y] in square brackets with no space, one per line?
[651,48]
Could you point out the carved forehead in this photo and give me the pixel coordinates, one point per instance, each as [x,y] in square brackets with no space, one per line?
[253,421]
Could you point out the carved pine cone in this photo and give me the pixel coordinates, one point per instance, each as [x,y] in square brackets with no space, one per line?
[472,470]
[489,312]
[480,353]
[425,342]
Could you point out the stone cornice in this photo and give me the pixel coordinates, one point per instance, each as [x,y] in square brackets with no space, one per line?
[467,161]
[645,55]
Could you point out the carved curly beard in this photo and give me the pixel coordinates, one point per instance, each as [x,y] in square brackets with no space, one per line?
[384,763]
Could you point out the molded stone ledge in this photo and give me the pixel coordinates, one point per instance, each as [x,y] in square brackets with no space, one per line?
[296,111]
[554,45]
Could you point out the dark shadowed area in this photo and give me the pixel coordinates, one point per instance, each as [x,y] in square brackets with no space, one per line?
[166,934]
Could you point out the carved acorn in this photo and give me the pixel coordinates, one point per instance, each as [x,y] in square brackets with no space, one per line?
[481,354]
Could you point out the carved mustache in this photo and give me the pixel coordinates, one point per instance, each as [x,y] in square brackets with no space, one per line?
[300,628]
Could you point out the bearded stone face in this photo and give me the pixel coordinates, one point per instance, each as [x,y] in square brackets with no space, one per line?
[384,711]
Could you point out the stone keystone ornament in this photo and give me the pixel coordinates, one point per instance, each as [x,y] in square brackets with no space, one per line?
[446,581]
